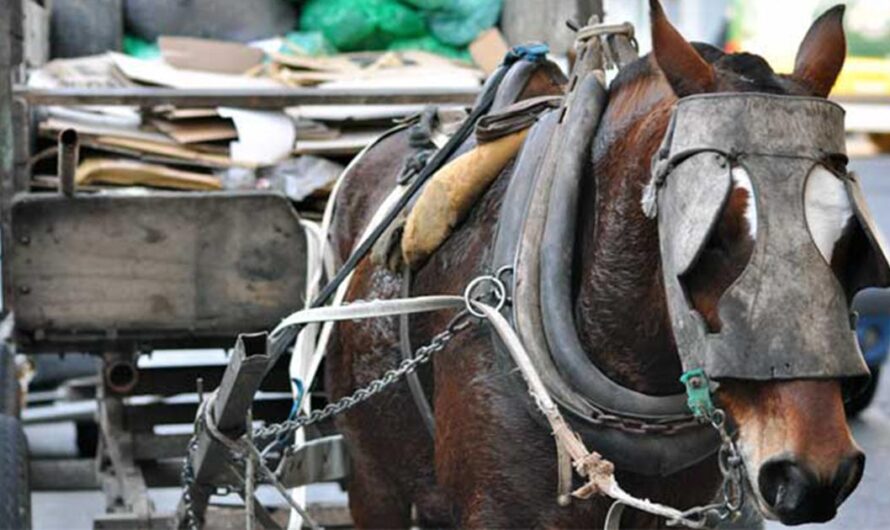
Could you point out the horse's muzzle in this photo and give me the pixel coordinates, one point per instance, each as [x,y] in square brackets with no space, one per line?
[797,496]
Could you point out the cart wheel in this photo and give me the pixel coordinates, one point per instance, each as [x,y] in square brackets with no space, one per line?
[15,492]
[9,384]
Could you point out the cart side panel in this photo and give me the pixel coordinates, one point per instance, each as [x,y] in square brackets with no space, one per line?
[125,268]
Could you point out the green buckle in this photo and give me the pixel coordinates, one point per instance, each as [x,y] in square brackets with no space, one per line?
[698,393]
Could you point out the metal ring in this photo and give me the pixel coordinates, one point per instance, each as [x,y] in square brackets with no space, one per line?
[499,292]
[718,418]
[502,272]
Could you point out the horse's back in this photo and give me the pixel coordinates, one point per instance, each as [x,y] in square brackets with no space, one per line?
[364,186]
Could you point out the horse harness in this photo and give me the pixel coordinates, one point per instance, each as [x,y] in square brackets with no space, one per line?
[654,436]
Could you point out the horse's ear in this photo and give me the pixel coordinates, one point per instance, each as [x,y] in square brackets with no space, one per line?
[821,54]
[686,70]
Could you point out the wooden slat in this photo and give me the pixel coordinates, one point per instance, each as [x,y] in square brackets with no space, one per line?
[199,264]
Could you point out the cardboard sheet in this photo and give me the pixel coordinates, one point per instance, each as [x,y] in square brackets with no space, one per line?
[172,150]
[197,130]
[133,173]
[348,143]
[489,49]
[208,55]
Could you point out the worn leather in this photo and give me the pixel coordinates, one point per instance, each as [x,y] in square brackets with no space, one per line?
[787,315]
[450,195]
[536,233]
[514,118]
[500,120]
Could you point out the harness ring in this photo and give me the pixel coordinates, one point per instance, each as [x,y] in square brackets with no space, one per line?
[498,291]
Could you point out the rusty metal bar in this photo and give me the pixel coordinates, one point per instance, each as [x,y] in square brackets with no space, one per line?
[231,404]
[121,478]
[69,154]
[255,98]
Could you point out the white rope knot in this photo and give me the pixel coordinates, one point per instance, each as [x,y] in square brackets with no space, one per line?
[600,475]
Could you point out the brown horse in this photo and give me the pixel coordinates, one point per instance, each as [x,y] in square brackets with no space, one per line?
[491,463]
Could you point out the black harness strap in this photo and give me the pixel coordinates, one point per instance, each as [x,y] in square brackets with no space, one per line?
[414,384]
[280,344]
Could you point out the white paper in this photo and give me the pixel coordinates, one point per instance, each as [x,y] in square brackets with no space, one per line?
[264,137]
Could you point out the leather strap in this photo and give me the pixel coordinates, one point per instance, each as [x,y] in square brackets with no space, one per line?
[536,201]
[414,385]
[369,309]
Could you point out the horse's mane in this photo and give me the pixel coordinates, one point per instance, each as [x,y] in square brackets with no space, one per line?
[747,65]
[639,96]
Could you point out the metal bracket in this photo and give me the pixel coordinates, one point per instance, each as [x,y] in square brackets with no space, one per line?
[698,393]
[234,397]
[320,460]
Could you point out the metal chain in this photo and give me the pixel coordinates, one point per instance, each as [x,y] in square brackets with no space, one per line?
[188,477]
[732,489]
[421,356]
[638,426]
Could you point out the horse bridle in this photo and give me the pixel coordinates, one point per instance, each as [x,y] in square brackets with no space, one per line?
[787,315]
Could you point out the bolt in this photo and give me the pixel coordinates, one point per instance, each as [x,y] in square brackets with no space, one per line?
[25,240]
[24,289]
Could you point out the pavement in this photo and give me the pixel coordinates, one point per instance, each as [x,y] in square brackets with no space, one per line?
[867,509]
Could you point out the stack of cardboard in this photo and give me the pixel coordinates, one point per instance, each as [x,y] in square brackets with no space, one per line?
[216,147]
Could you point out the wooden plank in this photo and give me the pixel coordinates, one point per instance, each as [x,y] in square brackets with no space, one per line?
[74,474]
[10,49]
[198,264]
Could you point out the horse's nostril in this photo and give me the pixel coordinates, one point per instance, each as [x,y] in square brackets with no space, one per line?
[779,479]
[847,477]
[795,494]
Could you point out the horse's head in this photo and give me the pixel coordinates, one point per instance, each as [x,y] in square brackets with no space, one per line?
[764,245]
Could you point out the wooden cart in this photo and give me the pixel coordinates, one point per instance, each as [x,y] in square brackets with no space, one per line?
[120,275]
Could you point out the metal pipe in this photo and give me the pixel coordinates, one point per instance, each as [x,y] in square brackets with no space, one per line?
[69,153]
[121,376]
[268,98]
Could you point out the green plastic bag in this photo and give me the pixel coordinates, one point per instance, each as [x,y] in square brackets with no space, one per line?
[461,22]
[136,47]
[362,24]
[307,43]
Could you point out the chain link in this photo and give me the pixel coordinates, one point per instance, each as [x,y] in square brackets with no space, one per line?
[421,356]
[638,426]
[732,489]
[188,479]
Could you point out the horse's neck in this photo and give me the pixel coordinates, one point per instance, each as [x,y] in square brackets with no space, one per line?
[621,311]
